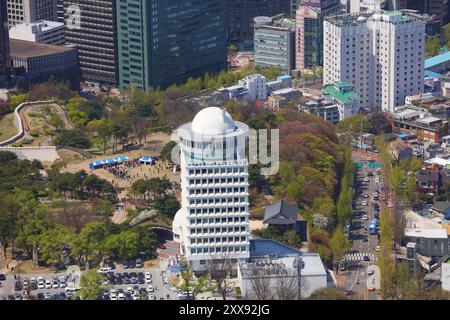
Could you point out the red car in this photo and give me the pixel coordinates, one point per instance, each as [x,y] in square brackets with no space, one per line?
[161,246]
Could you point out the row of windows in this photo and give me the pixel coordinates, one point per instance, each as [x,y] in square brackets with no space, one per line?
[218,240]
[201,231]
[218,250]
[216,191]
[216,171]
[218,210]
[216,181]
[217,220]
[217,201]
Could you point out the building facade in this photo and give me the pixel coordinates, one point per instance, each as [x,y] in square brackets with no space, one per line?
[31,10]
[43,31]
[213,221]
[242,12]
[37,62]
[439,8]
[94,36]
[382,55]
[4,45]
[163,42]
[309,31]
[274,43]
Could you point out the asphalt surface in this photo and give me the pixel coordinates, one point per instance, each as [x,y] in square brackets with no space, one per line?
[355,278]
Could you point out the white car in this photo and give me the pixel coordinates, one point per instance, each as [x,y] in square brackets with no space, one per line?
[364,217]
[55,284]
[365,195]
[151,289]
[377,248]
[129,289]
[364,203]
[104,270]
[48,284]
[148,274]
[41,284]
[113,294]
[366,179]
[121,296]
[151,296]
[136,295]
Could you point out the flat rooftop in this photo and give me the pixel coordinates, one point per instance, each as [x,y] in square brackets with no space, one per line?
[28,49]
[437,60]
[426,233]
[346,96]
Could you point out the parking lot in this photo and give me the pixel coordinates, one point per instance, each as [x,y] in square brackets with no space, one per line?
[123,284]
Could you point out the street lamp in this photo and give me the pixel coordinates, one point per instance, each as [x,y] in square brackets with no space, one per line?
[299,264]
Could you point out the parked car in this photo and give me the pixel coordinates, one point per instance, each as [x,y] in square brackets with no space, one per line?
[151,296]
[55,284]
[2,277]
[150,288]
[104,270]
[125,265]
[364,203]
[364,217]
[139,263]
[40,296]
[47,295]
[377,248]
[17,296]
[48,284]
[366,258]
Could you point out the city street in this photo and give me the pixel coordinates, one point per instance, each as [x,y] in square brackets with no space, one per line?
[363,254]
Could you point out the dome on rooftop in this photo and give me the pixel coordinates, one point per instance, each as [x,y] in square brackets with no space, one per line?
[213,121]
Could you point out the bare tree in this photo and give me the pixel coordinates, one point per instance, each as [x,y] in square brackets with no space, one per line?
[285,285]
[219,268]
[260,280]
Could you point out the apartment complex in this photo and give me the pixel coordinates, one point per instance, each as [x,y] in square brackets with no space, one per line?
[95,38]
[213,221]
[381,54]
[163,42]
[242,12]
[4,44]
[309,31]
[274,42]
[31,10]
[49,32]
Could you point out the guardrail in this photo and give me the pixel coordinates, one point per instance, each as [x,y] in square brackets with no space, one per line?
[19,123]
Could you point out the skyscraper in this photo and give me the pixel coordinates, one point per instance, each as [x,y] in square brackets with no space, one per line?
[31,10]
[162,42]
[382,55]
[309,31]
[4,44]
[242,12]
[213,221]
[95,37]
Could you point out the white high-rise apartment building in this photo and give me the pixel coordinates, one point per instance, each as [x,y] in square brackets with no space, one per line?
[213,221]
[381,54]
[31,10]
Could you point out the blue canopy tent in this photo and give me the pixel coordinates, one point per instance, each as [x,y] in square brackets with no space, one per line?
[98,164]
[147,160]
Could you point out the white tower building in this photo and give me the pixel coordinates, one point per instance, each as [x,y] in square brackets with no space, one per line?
[381,54]
[213,221]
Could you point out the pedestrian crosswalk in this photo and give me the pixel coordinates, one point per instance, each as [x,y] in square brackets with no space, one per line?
[359,256]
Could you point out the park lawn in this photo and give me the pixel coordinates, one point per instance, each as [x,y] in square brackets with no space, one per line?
[26,267]
[7,128]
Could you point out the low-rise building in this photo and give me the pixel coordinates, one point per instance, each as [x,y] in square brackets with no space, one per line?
[427,181]
[442,208]
[282,82]
[274,266]
[43,31]
[322,107]
[415,120]
[251,88]
[430,242]
[284,216]
[418,98]
[343,94]
[38,62]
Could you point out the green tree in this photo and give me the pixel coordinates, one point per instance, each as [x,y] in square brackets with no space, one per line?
[385,255]
[292,239]
[193,286]
[431,46]
[53,241]
[91,284]
[328,294]
[124,245]
[166,151]
[167,205]
[339,245]
[295,189]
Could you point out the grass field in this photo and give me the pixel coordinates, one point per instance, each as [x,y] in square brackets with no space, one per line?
[7,128]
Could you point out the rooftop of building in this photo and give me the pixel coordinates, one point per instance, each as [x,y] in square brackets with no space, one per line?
[281,212]
[44,25]
[441,206]
[437,60]
[29,49]
[355,19]
[426,233]
[341,91]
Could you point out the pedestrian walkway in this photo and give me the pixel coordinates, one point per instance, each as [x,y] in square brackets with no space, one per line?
[359,256]
[10,265]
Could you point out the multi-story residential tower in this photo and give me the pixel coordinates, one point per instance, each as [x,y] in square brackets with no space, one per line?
[31,10]
[381,54]
[162,42]
[242,12]
[213,220]
[275,42]
[4,45]
[309,31]
[94,34]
